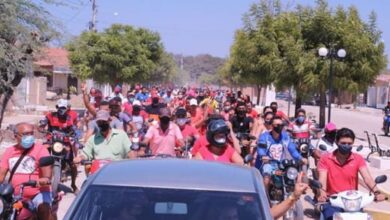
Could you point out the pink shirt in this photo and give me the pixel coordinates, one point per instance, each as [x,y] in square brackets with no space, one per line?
[29,165]
[128,108]
[226,157]
[189,131]
[164,142]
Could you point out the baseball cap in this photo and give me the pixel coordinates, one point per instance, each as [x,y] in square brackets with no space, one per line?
[165,112]
[62,103]
[137,102]
[102,115]
[193,102]
[181,112]
[330,127]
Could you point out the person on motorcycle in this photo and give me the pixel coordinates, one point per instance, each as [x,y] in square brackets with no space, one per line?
[274,107]
[301,128]
[154,109]
[228,111]
[338,171]
[164,137]
[116,113]
[274,146]
[27,169]
[241,122]
[143,95]
[265,125]
[386,112]
[218,148]
[62,122]
[107,144]
[128,106]
[188,131]
[328,140]
[118,93]
[251,112]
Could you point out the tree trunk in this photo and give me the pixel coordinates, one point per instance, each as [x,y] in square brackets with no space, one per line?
[4,99]
[258,94]
[298,103]
[322,109]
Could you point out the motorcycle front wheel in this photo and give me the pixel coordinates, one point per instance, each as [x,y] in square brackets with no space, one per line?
[56,178]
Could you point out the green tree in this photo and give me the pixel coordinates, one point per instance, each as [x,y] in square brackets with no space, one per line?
[166,70]
[120,54]
[24,27]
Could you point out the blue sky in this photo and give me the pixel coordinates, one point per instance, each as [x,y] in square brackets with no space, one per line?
[192,27]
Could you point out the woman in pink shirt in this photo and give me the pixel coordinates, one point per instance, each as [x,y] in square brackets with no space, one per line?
[218,149]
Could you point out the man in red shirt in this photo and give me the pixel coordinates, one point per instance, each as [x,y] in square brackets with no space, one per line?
[338,171]
[40,196]
[274,107]
[188,131]
[251,112]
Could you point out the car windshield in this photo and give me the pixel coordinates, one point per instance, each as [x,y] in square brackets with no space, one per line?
[115,202]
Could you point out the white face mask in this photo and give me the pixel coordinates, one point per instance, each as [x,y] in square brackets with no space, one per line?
[220,140]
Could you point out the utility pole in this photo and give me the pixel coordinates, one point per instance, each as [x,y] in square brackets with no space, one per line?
[92,23]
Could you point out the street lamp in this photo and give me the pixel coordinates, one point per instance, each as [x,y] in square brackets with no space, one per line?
[331,54]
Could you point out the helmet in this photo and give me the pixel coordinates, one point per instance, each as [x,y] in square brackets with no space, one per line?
[217,127]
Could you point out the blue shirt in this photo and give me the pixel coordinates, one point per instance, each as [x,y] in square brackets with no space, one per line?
[142,96]
[276,149]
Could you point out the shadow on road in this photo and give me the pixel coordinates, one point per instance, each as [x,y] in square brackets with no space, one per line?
[64,188]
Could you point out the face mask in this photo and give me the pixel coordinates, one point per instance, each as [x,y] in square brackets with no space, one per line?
[165,120]
[27,141]
[61,111]
[155,101]
[226,109]
[267,122]
[274,109]
[181,121]
[104,127]
[345,149]
[131,100]
[301,119]
[278,129]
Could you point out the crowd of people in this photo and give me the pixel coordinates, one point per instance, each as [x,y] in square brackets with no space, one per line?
[195,123]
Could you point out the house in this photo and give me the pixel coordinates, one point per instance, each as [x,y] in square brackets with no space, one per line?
[379,94]
[53,63]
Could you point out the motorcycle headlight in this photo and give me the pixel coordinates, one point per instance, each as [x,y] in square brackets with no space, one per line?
[292,173]
[352,205]
[1,206]
[303,148]
[58,147]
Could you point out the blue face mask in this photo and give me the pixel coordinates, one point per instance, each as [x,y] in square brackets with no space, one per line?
[345,149]
[131,100]
[27,141]
[301,119]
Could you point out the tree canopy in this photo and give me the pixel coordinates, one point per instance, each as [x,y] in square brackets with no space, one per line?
[24,27]
[119,54]
[281,47]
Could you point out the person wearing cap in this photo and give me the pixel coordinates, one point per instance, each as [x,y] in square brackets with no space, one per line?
[328,140]
[190,134]
[107,144]
[61,121]
[163,137]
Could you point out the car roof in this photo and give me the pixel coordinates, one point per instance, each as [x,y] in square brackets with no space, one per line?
[178,174]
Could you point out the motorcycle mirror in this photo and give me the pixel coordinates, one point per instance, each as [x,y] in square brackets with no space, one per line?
[315,184]
[46,161]
[248,158]
[359,148]
[380,179]
[323,147]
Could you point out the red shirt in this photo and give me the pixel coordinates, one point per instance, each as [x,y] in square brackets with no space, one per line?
[73,115]
[226,157]
[128,108]
[253,114]
[341,177]
[281,114]
[28,165]
[188,131]
[199,143]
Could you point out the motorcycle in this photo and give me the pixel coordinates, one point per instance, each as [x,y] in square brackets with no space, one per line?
[351,201]
[11,205]
[387,124]
[283,183]
[306,149]
[60,149]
